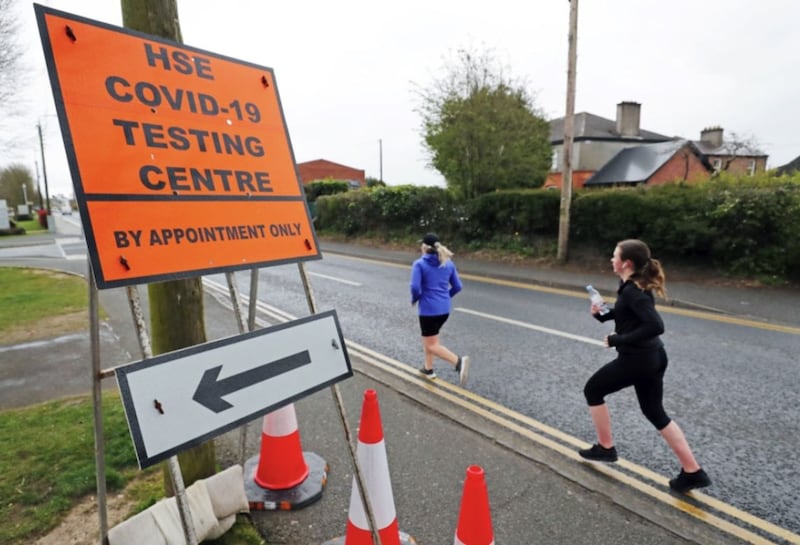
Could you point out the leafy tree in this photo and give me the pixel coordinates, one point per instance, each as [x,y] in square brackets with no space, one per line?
[12,179]
[374,182]
[482,130]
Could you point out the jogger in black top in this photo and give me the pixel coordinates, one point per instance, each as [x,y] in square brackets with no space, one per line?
[641,362]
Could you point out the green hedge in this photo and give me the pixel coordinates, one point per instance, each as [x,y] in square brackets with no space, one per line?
[390,212]
[749,225]
[315,189]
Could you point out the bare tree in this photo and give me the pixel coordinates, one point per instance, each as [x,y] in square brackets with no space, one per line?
[10,51]
[13,75]
[737,146]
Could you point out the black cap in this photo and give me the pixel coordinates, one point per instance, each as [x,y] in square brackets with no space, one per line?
[430,239]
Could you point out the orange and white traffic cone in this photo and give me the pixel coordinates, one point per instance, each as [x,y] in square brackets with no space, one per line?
[282,476]
[371,452]
[474,519]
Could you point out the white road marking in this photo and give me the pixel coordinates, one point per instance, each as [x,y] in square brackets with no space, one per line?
[527,325]
[335,279]
[61,242]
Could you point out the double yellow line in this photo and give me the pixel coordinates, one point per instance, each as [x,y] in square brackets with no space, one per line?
[567,446]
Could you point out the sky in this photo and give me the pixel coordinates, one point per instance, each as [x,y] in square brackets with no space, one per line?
[349,72]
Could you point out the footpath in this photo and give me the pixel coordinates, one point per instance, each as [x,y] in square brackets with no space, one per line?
[536,495]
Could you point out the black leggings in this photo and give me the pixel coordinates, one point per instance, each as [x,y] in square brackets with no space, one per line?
[645,372]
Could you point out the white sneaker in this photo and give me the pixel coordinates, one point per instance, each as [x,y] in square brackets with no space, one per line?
[463,370]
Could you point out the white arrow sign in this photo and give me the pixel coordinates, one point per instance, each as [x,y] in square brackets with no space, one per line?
[178,400]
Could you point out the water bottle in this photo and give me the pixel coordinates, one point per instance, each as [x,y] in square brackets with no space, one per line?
[597,299]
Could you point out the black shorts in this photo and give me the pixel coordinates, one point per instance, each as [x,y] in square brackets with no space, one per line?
[430,325]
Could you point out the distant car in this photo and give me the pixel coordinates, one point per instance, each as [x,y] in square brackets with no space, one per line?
[66,211]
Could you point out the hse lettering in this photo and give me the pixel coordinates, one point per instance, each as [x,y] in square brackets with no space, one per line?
[189,137]
[179,61]
[205,234]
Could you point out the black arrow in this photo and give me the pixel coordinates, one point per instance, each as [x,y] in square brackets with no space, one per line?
[210,390]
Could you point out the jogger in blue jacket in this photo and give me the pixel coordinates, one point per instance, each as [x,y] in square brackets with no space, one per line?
[434,282]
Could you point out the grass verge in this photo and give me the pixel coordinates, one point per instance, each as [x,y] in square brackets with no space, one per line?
[30,226]
[48,462]
[31,299]
[48,467]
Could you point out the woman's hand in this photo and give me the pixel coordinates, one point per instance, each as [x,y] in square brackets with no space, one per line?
[595,309]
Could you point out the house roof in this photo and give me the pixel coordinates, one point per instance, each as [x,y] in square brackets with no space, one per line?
[326,162]
[637,164]
[790,167]
[593,127]
[727,148]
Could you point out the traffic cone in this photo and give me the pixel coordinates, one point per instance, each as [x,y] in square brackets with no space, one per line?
[474,519]
[371,452]
[282,476]
[282,464]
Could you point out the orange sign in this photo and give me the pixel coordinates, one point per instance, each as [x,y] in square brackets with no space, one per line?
[180,158]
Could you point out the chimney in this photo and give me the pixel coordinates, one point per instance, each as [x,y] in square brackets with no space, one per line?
[628,119]
[712,135]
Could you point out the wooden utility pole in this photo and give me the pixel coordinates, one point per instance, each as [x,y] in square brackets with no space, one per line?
[380,158]
[44,168]
[176,306]
[569,135]
[38,186]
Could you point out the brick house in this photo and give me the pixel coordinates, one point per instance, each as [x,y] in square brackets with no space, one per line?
[653,164]
[737,157]
[321,169]
[597,140]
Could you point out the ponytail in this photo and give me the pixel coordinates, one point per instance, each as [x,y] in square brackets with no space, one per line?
[648,273]
[440,250]
[652,277]
[444,254]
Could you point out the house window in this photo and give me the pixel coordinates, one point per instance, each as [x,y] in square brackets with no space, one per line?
[752,167]
[554,165]
[717,164]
